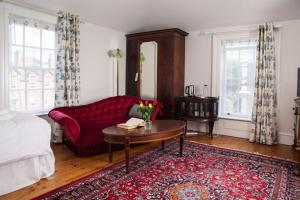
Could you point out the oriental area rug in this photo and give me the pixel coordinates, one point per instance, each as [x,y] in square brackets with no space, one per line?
[204,172]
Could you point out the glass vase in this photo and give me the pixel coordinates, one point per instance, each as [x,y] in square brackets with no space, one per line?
[148,125]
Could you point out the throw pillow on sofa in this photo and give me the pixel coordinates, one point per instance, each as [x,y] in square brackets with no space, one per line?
[134,112]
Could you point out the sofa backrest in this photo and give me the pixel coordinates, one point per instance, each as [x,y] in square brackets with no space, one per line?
[110,108]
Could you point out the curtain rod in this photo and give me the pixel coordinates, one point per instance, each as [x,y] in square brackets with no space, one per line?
[32,7]
[234,29]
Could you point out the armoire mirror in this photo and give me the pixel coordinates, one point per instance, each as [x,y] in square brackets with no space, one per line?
[160,74]
[148,70]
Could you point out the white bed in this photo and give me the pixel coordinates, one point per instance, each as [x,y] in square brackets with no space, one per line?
[25,152]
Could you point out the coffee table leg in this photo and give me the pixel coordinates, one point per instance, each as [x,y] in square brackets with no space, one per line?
[211,128]
[127,148]
[109,153]
[162,144]
[181,144]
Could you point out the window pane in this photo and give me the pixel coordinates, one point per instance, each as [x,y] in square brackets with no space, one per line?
[34,79]
[48,58]
[35,100]
[246,56]
[31,75]
[49,99]
[17,100]
[49,79]
[16,34]
[48,39]
[32,36]
[237,78]
[32,57]
[17,80]
[16,56]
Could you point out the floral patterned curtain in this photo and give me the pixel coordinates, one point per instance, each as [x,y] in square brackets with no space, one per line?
[265,97]
[67,67]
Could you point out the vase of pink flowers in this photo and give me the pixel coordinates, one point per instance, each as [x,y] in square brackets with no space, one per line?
[147,108]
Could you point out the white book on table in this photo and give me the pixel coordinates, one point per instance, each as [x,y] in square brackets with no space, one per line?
[132,123]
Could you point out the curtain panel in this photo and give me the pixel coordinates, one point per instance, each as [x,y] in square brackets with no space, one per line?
[67,83]
[265,95]
[67,65]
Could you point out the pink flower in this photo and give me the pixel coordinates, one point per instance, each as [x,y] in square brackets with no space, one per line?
[146,103]
[155,102]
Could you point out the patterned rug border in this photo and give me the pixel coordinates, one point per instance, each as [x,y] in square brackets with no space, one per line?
[247,152]
[105,169]
[99,170]
[92,173]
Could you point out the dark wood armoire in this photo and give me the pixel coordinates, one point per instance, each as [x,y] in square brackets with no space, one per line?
[170,65]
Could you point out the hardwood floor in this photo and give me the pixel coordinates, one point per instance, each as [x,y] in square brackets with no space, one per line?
[70,167]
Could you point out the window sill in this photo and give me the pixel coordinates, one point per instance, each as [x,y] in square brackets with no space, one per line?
[235,118]
[40,113]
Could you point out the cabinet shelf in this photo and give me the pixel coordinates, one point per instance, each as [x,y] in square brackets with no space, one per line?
[198,109]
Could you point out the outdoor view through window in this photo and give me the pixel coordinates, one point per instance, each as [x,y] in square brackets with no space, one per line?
[237,73]
[31,65]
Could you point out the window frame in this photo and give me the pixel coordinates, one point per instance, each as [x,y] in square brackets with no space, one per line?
[4,39]
[216,62]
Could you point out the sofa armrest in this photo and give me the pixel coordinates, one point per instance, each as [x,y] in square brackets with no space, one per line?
[68,123]
[157,111]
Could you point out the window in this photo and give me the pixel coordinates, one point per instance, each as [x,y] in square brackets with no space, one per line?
[31,70]
[235,79]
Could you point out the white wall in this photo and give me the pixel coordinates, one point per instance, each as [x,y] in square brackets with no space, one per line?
[198,71]
[96,68]
[2,56]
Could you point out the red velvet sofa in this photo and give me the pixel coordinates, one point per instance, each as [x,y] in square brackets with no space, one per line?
[83,125]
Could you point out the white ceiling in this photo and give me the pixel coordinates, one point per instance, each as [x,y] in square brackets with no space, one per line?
[137,15]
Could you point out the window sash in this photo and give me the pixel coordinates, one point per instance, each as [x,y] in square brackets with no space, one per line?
[241,101]
[40,68]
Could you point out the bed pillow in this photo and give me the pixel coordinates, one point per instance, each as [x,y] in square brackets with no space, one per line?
[134,112]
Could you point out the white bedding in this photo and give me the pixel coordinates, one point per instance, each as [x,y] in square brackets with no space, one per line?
[21,173]
[25,152]
[23,136]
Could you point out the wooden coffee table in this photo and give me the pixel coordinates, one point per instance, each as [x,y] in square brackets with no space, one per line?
[161,130]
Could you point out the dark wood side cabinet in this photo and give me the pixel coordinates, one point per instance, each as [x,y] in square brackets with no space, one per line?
[297,124]
[199,109]
[170,65]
